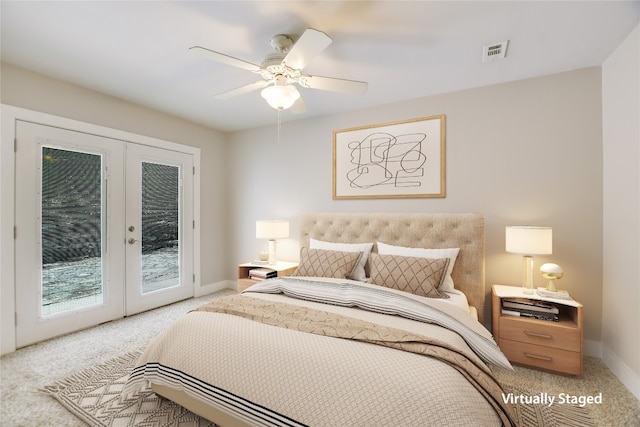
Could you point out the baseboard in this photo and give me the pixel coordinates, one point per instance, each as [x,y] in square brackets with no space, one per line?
[620,369]
[214,287]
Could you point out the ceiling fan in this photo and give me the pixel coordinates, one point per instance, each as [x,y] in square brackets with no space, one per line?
[279,70]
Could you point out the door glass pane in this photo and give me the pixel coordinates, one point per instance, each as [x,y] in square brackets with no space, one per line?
[71,234]
[160,231]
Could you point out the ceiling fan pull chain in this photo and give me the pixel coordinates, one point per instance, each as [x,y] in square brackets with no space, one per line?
[279,113]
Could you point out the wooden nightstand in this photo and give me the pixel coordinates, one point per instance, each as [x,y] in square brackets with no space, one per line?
[282,267]
[552,346]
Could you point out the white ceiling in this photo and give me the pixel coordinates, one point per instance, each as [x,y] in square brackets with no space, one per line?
[138,51]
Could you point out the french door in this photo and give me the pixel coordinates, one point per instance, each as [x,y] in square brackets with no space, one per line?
[103,229]
[159,227]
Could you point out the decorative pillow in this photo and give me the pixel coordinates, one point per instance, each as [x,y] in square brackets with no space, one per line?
[322,263]
[416,275]
[365,248]
[451,253]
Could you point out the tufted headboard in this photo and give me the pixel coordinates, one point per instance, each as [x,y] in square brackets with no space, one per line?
[418,230]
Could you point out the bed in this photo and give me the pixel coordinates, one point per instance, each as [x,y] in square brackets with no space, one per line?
[393,340]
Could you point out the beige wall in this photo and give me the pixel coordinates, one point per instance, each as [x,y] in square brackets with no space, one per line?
[527,152]
[621,144]
[22,88]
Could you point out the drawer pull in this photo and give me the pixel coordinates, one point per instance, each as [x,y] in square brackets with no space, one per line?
[535,356]
[535,334]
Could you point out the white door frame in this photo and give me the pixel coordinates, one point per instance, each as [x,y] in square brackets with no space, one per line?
[8,116]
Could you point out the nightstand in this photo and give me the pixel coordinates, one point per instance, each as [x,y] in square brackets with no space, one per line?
[543,344]
[283,268]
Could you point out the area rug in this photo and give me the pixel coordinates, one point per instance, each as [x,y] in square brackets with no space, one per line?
[93,396]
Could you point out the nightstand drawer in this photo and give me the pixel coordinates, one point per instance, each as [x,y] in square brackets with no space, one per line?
[559,335]
[551,359]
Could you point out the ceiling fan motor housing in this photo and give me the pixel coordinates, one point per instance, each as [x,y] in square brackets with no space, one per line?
[281,42]
[273,59]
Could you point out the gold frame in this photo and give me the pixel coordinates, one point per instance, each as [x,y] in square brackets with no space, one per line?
[374,179]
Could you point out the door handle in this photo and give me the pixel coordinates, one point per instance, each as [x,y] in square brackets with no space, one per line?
[131,241]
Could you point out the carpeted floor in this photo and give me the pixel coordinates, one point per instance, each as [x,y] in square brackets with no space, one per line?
[28,370]
[618,408]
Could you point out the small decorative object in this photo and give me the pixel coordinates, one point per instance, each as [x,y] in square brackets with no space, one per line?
[272,229]
[528,241]
[264,256]
[551,272]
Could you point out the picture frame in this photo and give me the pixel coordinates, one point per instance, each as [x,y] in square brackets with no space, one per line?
[402,159]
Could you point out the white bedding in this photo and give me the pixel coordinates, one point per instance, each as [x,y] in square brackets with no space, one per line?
[389,301]
[270,359]
[456,298]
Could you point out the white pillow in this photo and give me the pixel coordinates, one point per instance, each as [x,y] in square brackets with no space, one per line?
[358,273]
[451,253]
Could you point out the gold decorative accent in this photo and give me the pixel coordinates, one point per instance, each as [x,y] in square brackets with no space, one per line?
[551,273]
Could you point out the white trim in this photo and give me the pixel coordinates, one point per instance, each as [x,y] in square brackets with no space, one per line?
[619,368]
[215,287]
[592,348]
[8,116]
[625,374]
[7,209]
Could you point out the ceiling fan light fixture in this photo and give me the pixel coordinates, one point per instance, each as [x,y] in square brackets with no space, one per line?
[280,97]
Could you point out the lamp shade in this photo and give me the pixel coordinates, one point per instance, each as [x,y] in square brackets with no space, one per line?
[527,240]
[280,97]
[272,229]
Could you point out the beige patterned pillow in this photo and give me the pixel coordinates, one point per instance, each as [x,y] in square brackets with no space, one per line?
[419,276]
[324,263]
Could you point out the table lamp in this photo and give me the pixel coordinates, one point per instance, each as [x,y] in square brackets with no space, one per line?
[272,229]
[528,241]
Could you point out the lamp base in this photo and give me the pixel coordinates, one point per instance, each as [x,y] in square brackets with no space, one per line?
[527,274]
[272,252]
[551,277]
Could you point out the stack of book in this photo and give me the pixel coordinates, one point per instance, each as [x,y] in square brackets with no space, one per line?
[524,307]
[262,273]
[543,292]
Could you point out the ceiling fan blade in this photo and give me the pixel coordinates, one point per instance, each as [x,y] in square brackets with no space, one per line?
[308,46]
[332,84]
[242,89]
[225,59]
[299,107]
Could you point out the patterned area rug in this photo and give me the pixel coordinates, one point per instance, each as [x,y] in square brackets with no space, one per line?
[93,396]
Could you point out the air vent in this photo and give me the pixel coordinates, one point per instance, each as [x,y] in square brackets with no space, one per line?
[494,51]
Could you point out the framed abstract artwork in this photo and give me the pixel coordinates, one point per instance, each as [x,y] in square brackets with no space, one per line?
[403,159]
